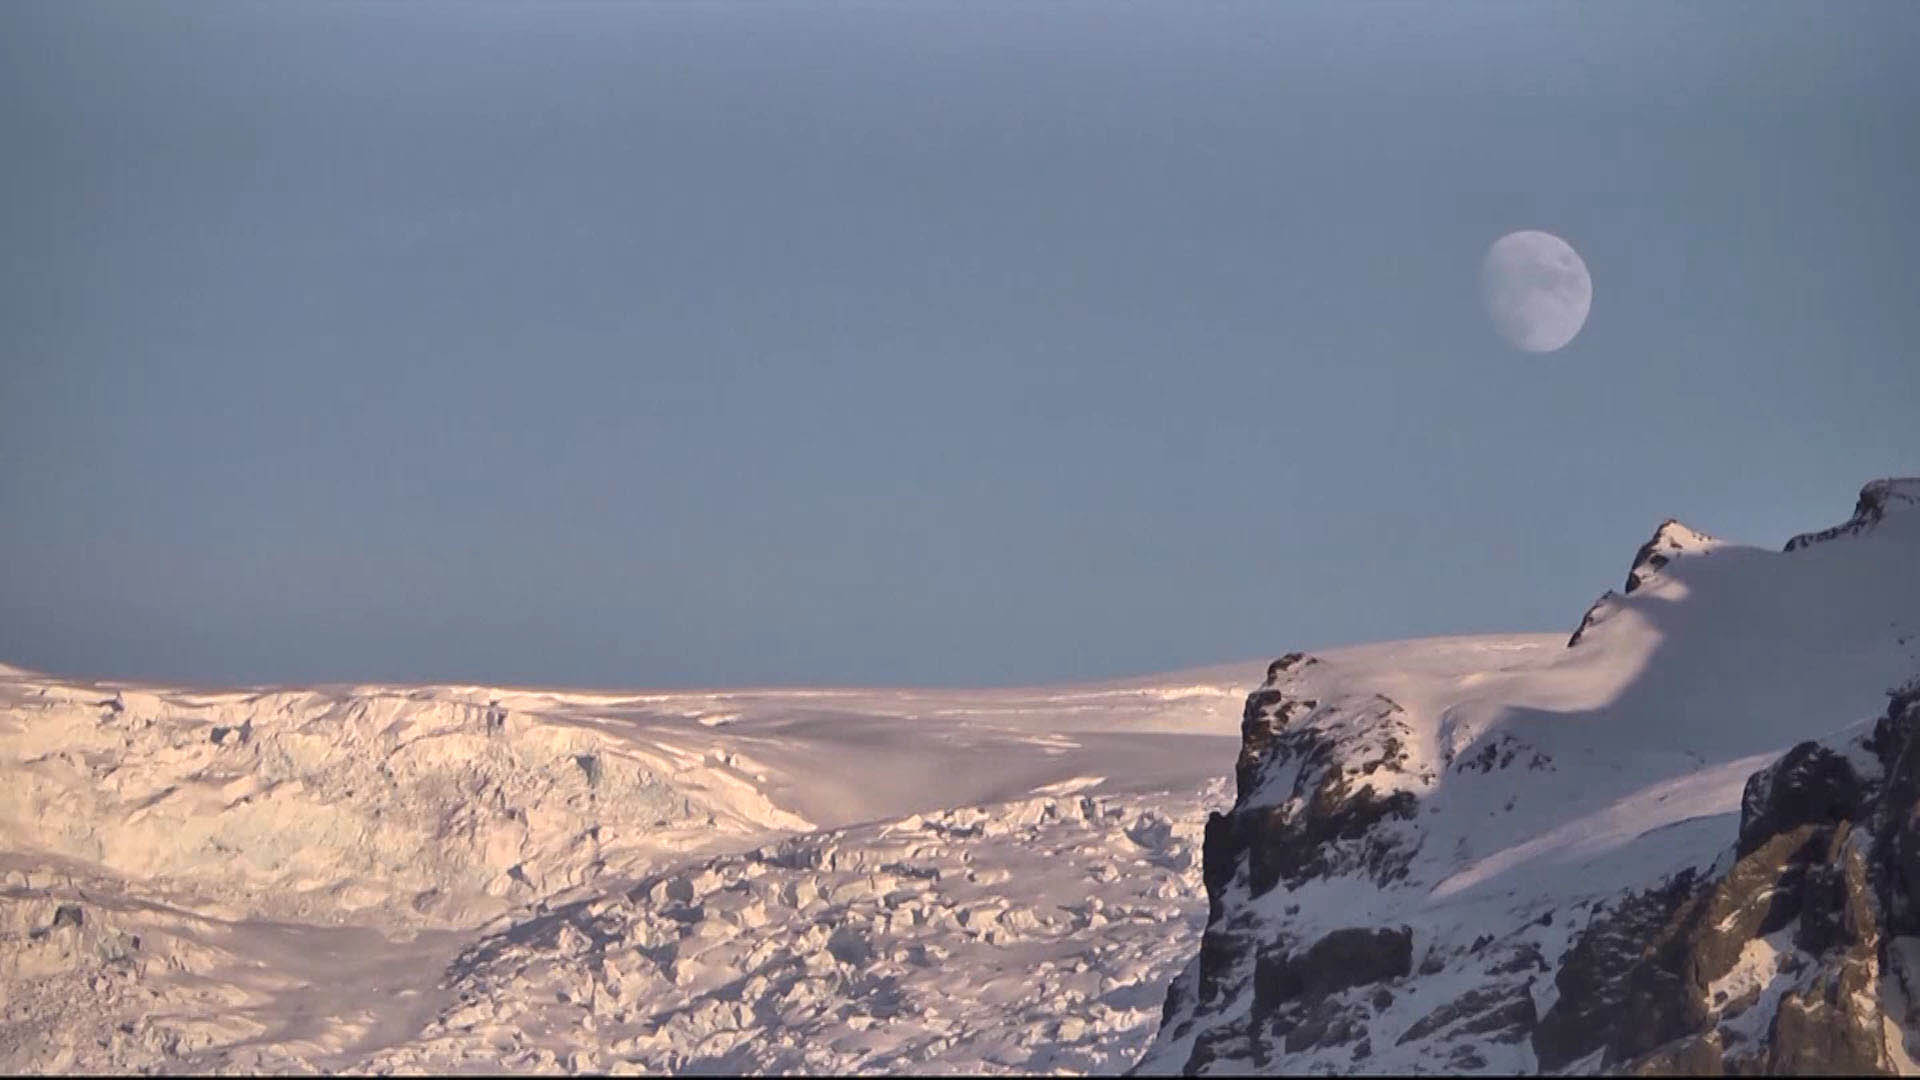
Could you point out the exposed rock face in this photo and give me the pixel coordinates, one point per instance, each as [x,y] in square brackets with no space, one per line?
[1654,854]
[1784,960]
[1877,499]
[1668,542]
[1670,539]
[1356,956]
[1597,977]
[1308,807]
[1595,612]
[1656,986]
[1810,785]
[1324,819]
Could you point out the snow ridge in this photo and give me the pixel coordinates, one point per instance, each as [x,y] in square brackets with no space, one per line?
[1878,499]
[1455,855]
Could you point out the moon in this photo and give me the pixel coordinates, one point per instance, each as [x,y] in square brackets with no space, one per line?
[1537,290]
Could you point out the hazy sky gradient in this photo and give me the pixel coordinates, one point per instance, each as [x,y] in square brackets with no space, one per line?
[956,343]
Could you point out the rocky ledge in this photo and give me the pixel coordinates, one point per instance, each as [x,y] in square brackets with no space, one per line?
[1877,499]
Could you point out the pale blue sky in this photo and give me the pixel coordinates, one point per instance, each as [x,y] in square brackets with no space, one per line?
[957,343]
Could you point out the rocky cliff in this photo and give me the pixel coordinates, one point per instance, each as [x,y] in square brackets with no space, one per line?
[1688,840]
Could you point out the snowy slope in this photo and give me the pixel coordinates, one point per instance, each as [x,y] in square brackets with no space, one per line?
[1425,831]
[356,876]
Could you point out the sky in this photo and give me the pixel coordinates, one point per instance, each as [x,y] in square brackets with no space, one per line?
[694,343]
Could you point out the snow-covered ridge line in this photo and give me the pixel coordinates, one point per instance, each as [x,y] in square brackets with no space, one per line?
[1444,859]
[1878,499]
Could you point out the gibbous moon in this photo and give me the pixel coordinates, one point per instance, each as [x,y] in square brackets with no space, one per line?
[1537,290]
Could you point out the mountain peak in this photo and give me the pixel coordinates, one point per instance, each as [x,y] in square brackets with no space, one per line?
[1878,499]
[1671,539]
[1686,846]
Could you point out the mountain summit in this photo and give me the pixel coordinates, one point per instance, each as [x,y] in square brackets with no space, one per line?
[1682,842]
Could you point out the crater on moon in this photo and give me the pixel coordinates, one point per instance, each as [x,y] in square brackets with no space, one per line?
[1536,289]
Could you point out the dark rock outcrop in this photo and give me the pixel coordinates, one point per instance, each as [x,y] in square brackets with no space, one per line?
[1596,612]
[1323,820]
[1670,539]
[1638,987]
[1308,805]
[1299,998]
[1810,785]
[1286,845]
[1631,928]
[1597,977]
[1343,959]
[1896,817]
[1877,499]
[1820,876]
[1824,874]
[1504,1014]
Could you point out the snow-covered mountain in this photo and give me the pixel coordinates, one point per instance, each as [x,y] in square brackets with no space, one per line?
[1683,841]
[1485,853]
